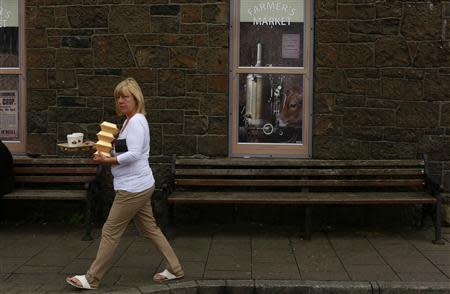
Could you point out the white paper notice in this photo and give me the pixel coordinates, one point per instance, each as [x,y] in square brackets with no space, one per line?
[291,46]
[9,115]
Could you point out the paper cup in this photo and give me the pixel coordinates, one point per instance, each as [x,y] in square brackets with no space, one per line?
[79,137]
[72,140]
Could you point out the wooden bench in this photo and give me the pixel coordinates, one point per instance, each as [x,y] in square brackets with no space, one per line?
[65,179]
[302,182]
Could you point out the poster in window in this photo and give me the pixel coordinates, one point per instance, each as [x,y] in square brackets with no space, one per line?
[9,116]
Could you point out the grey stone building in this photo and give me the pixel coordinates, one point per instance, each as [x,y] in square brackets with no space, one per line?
[380,75]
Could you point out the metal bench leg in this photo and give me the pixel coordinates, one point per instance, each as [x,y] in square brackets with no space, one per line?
[308,209]
[437,222]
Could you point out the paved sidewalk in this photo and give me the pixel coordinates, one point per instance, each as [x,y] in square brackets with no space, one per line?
[36,259]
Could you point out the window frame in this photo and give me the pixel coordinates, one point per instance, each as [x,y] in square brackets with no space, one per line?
[237,149]
[19,145]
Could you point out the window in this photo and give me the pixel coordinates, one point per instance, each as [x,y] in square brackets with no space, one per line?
[271,78]
[12,74]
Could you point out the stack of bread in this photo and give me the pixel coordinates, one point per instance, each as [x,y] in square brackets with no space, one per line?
[105,138]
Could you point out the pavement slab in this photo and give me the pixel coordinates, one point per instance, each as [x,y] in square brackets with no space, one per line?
[37,260]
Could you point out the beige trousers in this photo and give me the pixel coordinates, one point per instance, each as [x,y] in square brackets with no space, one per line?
[127,206]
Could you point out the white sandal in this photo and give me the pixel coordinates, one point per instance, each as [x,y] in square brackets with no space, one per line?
[166,276]
[84,282]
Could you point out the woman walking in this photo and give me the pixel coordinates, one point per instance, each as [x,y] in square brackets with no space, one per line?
[134,184]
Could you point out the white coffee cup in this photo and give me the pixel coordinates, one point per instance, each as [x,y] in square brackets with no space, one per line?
[79,137]
[72,140]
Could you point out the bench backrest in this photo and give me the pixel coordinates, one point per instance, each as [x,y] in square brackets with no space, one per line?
[70,171]
[298,173]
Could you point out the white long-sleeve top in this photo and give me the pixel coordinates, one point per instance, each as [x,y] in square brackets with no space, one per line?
[133,172]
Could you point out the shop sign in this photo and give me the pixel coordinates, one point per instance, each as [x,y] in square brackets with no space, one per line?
[272,13]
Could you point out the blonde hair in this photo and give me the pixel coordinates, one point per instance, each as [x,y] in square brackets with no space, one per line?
[130,85]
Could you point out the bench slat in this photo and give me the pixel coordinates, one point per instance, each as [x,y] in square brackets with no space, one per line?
[23,194]
[53,161]
[301,197]
[301,183]
[293,162]
[54,170]
[298,172]
[54,179]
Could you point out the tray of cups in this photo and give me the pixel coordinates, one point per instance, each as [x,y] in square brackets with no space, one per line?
[74,143]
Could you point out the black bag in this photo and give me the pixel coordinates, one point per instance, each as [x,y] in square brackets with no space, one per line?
[120,146]
[6,170]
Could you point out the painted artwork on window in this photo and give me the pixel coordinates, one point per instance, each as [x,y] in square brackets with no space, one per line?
[271,34]
[270,108]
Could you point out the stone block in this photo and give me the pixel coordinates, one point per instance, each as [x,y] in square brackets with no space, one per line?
[437,87]
[191,13]
[389,9]
[112,51]
[364,133]
[327,55]
[368,117]
[196,83]
[427,14]
[402,134]
[392,150]
[355,55]
[65,101]
[391,52]
[328,125]
[418,115]
[214,60]
[179,145]
[218,35]
[76,42]
[211,287]
[212,145]
[41,143]
[38,100]
[356,11]
[165,24]
[153,56]
[37,78]
[40,58]
[62,79]
[97,85]
[432,54]
[176,40]
[396,287]
[73,58]
[37,121]
[195,125]
[331,147]
[191,29]
[154,289]
[185,103]
[79,114]
[218,84]
[217,125]
[171,82]
[165,10]
[326,9]
[166,116]
[216,13]
[402,89]
[214,104]
[328,31]
[156,134]
[36,38]
[129,19]
[183,57]
[88,16]
[143,39]
[40,17]
[325,103]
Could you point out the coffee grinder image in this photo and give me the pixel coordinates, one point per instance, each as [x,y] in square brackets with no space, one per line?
[273,108]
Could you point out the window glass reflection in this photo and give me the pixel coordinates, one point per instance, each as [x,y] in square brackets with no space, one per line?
[9,33]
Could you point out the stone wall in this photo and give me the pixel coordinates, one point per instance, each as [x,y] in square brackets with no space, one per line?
[381,76]
[382,80]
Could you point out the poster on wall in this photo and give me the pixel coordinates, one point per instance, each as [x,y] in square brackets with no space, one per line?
[271,34]
[9,116]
